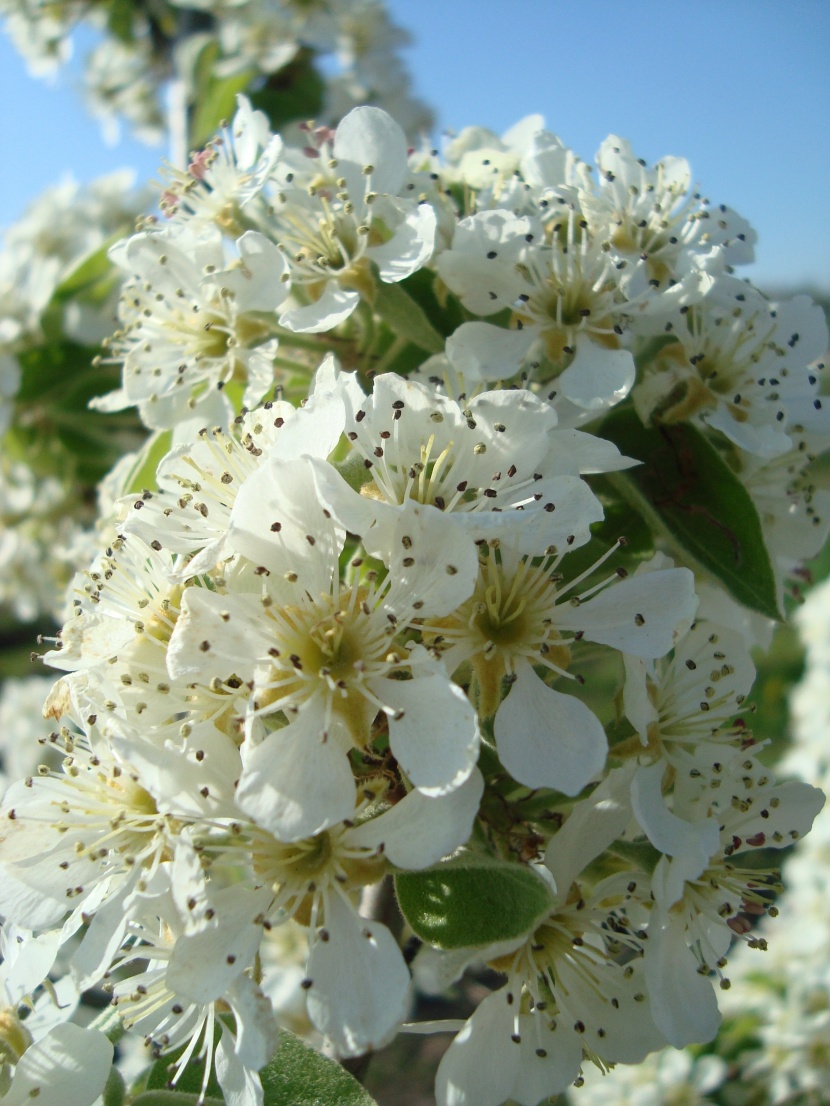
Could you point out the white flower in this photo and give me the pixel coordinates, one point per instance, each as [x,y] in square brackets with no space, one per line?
[743,366]
[193,320]
[347,216]
[227,176]
[494,467]
[653,215]
[68,1067]
[525,614]
[323,655]
[692,697]
[574,987]
[356,981]
[702,892]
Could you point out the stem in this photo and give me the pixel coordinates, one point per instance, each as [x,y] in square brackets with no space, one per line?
[109,1023]
[177,122]
[398,346]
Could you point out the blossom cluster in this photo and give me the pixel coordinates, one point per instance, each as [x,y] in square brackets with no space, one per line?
[375,616]
[775,1043]
[142,48]
[56,305]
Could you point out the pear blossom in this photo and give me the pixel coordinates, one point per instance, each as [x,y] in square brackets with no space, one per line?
[346,216]
[703,892]
[566,295]
[654,215]
[149,1002]
[690,698]
[575,986]
[742,366]
[314,880]
[227,176]
[193,319]
[523,615]
[494,466]
[323,655]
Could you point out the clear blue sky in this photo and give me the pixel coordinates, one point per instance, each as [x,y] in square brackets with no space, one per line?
[739,87]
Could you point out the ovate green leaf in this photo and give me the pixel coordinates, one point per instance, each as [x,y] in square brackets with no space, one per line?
[300,1076]
[685,488]
[294,93]
[471,901]
[407,318]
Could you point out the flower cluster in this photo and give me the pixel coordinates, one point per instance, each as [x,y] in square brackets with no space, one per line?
[775,1043]
[143,47]
[394,604]
[58,294]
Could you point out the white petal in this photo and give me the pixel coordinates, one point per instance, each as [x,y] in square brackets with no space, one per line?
[297,781]
[409,248]
[333,307]
[359,981]
[764,439]
[639,708]
[577,452]
[433,561]
[315,429]
[205,963]
[481,1066]
[368,136]
[620,1032]
[591,827]
[69,1067]
[638,615]
[419,830]
[546,739]
[482,351]
[691,844]
[257,283]
[240,1086]
[683,1002]
[257,1028]
[597,378]
[551,1058]
[434,736]
[275,512]
[215,634]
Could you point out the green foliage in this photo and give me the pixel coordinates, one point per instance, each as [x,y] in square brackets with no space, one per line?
[472,901]
[215,97]
[407,318]
[56,431]
[157,1079]
[686,490]
[174,1098]
[293,94]
[300,1076]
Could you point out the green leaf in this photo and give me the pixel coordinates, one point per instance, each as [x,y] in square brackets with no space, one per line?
[406,317]
[56,367]
[472,901]
[216,103]
[300,1076]
[115,1090]
[685,489]
[88,270]
[143,473]
[120,20]
[294,93]
[157,1079]
[174,1098]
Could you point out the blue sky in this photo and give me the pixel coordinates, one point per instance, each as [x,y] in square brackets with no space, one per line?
[739,87]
